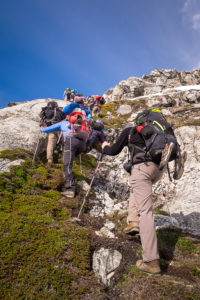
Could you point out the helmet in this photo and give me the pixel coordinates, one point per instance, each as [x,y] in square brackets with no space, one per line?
[100,122]
[98,125]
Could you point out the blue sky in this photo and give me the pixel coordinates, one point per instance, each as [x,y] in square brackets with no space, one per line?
[91,45]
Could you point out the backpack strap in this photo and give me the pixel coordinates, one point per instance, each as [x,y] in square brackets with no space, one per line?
[133,147]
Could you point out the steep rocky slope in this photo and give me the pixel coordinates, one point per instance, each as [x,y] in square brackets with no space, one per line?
[101,243]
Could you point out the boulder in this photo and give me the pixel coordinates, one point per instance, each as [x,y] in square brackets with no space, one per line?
[105,262]
[19,125]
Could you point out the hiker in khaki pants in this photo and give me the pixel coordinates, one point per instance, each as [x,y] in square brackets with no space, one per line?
[140,214]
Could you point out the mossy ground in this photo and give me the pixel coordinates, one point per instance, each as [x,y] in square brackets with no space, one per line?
[180,277]
[44,254]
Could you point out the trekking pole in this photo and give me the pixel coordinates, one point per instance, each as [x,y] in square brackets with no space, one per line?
[36,149]
[97,167]
[81,170]
[168,170]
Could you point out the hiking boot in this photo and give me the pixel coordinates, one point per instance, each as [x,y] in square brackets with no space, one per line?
[179,165]
[70,193]
[166,153]
[133,228]
[152,267]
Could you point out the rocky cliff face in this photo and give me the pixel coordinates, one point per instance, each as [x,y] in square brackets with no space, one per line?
[159,81]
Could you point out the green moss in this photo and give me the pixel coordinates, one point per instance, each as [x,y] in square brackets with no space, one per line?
[83,166]
[15,154]
[109,107]
[193,296]
[195,271]
[114,123]
[186,245]
[41,257]
[158,211]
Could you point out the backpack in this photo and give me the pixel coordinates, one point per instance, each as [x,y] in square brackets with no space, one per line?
[100,101]
[90,100]
[79,123]
[98,125]
[156,133]
[51,114]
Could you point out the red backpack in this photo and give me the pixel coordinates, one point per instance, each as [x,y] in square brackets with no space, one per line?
[79,123]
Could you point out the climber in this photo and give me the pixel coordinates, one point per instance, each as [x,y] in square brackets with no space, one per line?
[96,104]
[51,114]
[89,101]
[98,132]
[74,93]
[67,95]
[75,132]
[144,172]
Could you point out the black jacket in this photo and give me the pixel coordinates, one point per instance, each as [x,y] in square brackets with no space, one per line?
[135,139]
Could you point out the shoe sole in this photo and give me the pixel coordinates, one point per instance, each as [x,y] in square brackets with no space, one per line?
[132,230]
[181,170]
[165,162]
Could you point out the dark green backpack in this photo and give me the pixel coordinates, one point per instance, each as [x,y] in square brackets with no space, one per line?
[156,133]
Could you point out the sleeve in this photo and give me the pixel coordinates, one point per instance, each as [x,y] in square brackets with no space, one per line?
[52,128]
[121,142]
[69,108]
[92,138]
[101,136]
[87,111]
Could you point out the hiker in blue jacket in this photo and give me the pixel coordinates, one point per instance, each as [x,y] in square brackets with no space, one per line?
[75,131]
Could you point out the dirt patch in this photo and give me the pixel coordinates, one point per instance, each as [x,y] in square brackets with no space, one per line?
[181,272]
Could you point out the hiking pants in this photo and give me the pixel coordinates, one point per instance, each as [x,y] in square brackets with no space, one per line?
[52,139]
[72,147]
[142,177]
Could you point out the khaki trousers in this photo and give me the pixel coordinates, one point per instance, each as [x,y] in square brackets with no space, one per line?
[52,139]
[142,177]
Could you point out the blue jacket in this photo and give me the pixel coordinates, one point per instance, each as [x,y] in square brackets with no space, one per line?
[63,126]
